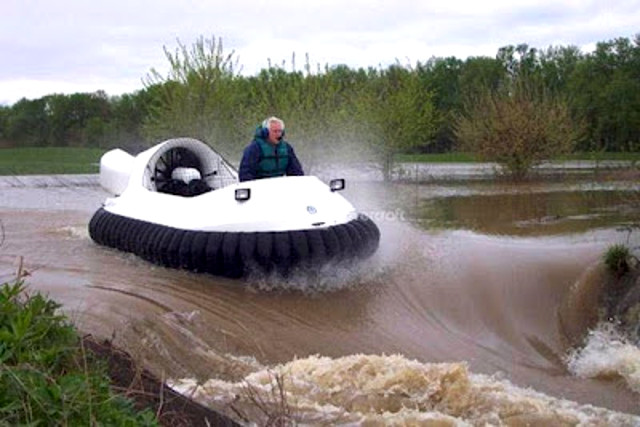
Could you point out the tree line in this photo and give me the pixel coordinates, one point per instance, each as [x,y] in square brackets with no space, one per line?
[337,112]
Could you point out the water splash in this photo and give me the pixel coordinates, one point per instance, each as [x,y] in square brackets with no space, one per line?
[326,279]
[73,232]
[607,354]
[388,390]
[400,246]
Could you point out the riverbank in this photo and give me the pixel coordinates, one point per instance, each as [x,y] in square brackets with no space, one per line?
[52,375]
[150,393]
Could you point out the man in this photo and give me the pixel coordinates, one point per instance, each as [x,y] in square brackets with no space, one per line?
[269,155]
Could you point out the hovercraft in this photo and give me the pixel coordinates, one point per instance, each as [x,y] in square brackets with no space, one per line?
[180,204]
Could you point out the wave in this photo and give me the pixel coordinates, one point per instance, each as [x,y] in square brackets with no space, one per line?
[387,390]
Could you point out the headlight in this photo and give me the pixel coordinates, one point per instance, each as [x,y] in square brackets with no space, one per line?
[336,184]
[243,194]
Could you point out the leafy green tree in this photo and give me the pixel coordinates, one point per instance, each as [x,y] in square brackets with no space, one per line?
[128,113]
[321,108]
[557,64]
[196,98]
[403,114]
[326,117]
[479,74]
[27,125]
[59,119]
[275,92]
[341,130]
[95,132]
[5,113]
[520,60]
[605,88]
[69,116]
[441,77]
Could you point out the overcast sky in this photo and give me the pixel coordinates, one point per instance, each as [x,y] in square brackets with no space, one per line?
[68,46]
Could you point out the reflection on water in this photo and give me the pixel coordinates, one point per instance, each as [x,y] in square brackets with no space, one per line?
[530,213]
[456,319]
[498,208]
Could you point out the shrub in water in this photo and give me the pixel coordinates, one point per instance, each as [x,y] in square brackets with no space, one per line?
[616,258]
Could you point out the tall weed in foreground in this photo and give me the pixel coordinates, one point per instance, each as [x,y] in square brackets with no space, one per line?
[45,376]
[267,402]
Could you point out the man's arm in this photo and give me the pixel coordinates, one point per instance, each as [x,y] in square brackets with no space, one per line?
[249,163]
[294,167]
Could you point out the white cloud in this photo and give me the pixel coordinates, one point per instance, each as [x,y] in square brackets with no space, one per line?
[68,44]
[37,88]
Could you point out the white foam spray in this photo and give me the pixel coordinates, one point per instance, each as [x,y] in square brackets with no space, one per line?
[607,354]
[387,390]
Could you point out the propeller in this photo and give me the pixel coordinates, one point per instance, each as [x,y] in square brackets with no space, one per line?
[168,161]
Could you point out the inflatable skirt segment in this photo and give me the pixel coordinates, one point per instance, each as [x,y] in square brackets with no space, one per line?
[235,254]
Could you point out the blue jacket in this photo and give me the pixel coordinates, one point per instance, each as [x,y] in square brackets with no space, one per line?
[250,163]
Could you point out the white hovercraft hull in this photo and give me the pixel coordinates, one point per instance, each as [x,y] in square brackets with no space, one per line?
[286,222]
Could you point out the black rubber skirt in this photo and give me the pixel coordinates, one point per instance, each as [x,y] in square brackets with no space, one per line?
[234,254]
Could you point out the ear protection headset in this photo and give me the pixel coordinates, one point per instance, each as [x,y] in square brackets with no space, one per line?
[264,130]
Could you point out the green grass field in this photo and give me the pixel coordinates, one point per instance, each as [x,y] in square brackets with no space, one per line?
[70,160]
[49,160]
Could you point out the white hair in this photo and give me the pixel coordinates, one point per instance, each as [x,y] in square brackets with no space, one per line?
[267,122]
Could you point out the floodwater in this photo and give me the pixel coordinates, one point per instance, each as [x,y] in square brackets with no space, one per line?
[461,318]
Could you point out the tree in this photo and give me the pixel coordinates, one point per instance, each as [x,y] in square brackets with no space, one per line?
[517,126]
[27,124]
[323,109]
[196,97]
[557,64]
[403,114]
[327,117]
[605,88]
[4,120]
[128,113]
[441,77]
[78,119]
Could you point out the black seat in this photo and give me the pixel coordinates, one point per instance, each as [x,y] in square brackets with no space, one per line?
[197,187]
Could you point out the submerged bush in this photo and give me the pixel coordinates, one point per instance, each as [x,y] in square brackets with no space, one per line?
[45,376]
[518,126]
[617,258]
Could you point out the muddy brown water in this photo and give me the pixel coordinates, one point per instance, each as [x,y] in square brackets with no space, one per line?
[469,272]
